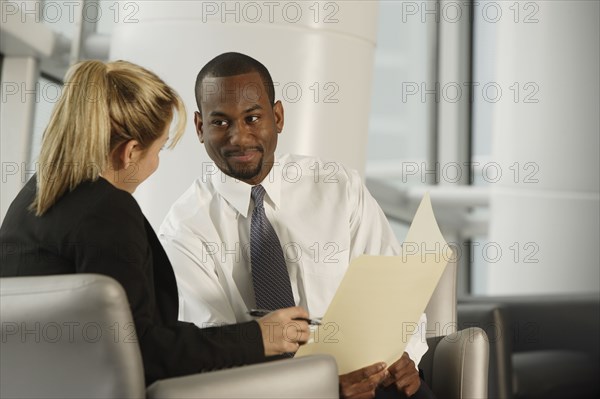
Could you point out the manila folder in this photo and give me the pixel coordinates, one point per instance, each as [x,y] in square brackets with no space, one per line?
[378,304]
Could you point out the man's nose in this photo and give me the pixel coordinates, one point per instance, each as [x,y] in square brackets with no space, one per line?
[238,133]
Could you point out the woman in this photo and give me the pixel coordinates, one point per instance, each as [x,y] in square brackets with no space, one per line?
[77,215]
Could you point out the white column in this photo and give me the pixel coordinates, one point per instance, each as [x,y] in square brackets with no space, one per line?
[319,53]
[545,208]
[19,98]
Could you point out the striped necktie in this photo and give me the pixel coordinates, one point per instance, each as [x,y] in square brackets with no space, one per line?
[272,288]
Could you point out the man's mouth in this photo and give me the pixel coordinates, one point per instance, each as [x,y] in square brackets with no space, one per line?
[245,155]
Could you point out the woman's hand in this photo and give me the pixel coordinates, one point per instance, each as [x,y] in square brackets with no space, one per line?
[282,332]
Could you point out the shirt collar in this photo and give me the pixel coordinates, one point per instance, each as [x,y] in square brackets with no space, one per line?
[237,193]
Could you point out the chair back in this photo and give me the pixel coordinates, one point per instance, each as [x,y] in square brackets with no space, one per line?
[68,336]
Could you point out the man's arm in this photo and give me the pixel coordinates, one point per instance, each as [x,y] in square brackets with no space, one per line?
[369,228]
[202,299]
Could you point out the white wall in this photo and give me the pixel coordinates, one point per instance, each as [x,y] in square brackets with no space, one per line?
[18,102]
[545,210]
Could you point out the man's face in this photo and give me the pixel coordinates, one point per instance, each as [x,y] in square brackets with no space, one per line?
[238,125]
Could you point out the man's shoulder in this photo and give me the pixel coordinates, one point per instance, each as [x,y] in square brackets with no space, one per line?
[320,170]
[188,206]
[305,160]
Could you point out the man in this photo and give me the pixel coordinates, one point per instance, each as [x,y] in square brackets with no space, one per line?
[320,212]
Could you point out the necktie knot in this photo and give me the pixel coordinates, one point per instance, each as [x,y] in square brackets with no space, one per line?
[258,195]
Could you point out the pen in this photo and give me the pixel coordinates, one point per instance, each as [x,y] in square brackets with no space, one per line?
[264,312]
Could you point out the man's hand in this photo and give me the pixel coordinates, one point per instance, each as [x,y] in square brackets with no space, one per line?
[404,375]
[362,383]
[281,333]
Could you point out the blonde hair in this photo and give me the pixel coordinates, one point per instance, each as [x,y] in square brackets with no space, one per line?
[103,105]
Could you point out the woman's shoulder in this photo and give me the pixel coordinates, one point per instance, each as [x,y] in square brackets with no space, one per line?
[98,202]
[101,196]
[94,210]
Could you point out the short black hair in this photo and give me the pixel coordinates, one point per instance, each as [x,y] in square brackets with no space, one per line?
[232,64]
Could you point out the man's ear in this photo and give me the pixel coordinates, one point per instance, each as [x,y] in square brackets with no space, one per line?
[198,124]
[278,113]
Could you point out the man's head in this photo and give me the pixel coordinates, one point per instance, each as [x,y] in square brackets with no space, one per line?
[231,64]
[238,119]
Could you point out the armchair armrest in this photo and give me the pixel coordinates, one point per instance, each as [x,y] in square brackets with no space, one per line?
[305,377]
[458,364]
[493,319]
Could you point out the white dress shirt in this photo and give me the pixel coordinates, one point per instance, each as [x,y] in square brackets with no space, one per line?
[323,215]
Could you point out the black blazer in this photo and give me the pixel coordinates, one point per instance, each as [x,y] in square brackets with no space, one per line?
[97,228]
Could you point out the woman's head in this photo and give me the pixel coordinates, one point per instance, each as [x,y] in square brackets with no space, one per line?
[110,118]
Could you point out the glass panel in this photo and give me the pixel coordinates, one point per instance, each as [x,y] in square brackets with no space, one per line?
[399,121]
[400,229]
[59,15]
[48,94]
[484,60]
[482,251]
[114,12]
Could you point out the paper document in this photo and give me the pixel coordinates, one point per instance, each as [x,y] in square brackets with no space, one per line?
[381,298]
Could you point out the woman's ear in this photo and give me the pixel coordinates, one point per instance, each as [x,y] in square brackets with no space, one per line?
[125,154]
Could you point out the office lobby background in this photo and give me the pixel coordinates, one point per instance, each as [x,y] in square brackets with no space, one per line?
[491,106]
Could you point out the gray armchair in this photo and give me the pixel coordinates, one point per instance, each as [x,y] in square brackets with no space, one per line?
[456,365]
[72,336]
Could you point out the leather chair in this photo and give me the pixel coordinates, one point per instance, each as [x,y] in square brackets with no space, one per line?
[456,364]
[72,336]
[541,346]
[493,318]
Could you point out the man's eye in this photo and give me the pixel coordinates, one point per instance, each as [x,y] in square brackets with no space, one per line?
[219,122]
[252,118]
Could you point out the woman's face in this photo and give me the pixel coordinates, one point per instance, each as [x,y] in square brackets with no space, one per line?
[138,163]
[148,160]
